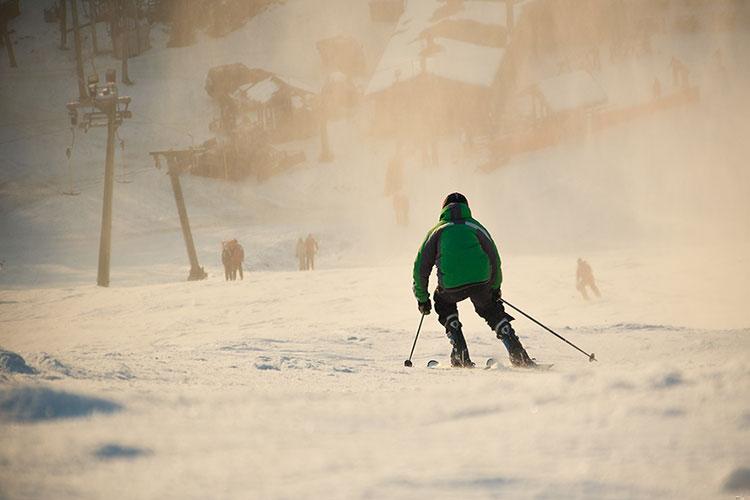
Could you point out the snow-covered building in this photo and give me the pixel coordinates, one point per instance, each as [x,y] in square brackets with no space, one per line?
[570,92]
[440,67]
[284,107]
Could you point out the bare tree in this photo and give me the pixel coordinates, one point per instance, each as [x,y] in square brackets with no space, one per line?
[77,43]
[63,13]
[93,14]
[120,21]
[8,10]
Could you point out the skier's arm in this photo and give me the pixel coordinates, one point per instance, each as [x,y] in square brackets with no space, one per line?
[496,272]
[423,266]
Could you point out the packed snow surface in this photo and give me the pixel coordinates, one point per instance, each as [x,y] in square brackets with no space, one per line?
[292,384]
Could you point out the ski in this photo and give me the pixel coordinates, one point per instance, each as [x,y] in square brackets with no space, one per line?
[435,364]
[492,363]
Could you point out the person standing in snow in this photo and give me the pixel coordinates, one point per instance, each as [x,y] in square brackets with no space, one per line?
[585,278]
[232,256]
[468,266]
[226,260]
[238,257]
[311,248]
[301,254]
[401,208]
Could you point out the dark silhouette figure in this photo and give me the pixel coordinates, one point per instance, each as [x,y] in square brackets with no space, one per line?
[585,278]
[680,73]
[311,248]
[301,254]
[401,207]
[394,175]
[232,256]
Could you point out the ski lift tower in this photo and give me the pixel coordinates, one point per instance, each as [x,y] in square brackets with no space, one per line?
[105,107]
[179,161]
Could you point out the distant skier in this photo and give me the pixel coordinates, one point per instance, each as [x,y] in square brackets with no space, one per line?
[585,278]
[394,175]
[676,66]
[311,248]
[301,254]
[401,208]
[656,89]
[468,266]
[680,73]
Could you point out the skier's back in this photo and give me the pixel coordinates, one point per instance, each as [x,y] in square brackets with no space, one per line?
[468,267]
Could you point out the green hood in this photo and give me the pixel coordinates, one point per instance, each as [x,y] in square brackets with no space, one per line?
[455,211]
[461,248]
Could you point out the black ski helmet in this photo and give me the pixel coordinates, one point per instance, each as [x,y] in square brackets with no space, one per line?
[455,198]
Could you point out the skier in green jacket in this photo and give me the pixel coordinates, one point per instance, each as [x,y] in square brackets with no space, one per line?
[468,266]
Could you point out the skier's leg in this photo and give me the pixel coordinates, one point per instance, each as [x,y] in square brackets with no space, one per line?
[595,289]
[494,314]
[240,269]
[447,311]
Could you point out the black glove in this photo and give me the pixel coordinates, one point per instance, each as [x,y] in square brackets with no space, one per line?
[425,307]
[496,295]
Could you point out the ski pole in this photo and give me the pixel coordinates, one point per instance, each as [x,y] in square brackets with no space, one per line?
[590,356]
[408,361]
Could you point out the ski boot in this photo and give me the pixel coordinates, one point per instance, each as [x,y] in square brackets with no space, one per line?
[460,353]
[516,352]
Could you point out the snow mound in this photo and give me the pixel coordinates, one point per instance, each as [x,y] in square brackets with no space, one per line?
[112,451]
[48,363]
[738,480]
[54,369]
[10,362]
[32,404]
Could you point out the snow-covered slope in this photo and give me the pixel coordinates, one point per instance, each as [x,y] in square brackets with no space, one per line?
[291,384]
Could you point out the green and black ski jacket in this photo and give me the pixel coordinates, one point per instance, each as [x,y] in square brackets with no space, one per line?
[463,251]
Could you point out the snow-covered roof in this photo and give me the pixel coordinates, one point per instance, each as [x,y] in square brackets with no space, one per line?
[263,91]
[577,89]
[460,61]
[465,62]
[487,12]
[260,92]
[300,84]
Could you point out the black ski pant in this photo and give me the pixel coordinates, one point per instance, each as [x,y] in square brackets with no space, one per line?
[481,296]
